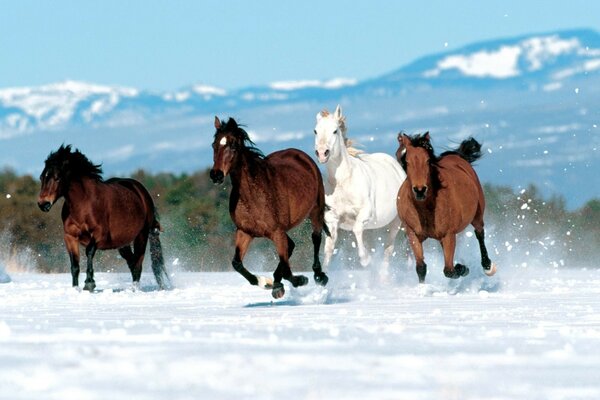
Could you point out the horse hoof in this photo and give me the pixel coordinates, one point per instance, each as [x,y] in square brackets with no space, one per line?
[278,290]
[491,271]
[458,271]
[462,270]
[299,280]
[89,286]
[321,279]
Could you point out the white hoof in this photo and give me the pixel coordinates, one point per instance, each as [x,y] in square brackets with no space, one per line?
[492,270]
[365,261]
[265,283]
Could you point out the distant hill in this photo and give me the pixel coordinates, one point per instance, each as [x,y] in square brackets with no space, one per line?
[533,100]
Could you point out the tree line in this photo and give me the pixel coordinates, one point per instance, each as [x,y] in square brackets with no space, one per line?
[198,232]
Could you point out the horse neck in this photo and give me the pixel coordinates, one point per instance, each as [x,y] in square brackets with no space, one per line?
[79,188]
[242,180]
[339,168]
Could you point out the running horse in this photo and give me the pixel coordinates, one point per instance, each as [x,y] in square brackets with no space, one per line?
[362,188]
[440,198]
[101,215]
[269,196]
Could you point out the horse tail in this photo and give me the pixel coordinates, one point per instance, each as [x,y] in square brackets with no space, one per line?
[156,255]
[470,150]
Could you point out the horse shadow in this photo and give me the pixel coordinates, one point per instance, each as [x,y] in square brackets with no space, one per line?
[298,298]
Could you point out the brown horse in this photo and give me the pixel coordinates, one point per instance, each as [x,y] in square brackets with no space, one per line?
[269,196]
[101,214]
[439,198]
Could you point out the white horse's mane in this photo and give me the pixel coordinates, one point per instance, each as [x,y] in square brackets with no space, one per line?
[349,143]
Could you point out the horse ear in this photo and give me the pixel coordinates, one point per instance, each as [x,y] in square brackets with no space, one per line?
[217,123]
[338,112]
[426,136]
[404,140]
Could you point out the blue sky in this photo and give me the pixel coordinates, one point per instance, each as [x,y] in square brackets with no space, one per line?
[170,44]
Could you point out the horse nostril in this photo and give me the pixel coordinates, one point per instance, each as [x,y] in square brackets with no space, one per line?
[45,206]
[216,176]
[326,153]
[420,192]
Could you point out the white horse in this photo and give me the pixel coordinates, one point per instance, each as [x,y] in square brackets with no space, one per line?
[363,188]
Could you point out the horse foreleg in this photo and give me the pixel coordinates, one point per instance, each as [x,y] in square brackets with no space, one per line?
[357,229]
[90,250]
[451,270]
[72,245]
[242,242]
[417,248]
[489,268]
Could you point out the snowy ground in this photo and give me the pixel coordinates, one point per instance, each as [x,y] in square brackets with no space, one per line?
[525,334]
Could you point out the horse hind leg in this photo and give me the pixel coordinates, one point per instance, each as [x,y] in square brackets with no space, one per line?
[137,259]
[319,276]
[283,270]
[489,268]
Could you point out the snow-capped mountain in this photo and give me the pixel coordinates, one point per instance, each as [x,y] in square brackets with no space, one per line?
[532,100]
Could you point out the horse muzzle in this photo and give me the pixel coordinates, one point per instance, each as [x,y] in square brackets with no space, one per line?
[217,176]
[420,192]
[323,156]
[45,206]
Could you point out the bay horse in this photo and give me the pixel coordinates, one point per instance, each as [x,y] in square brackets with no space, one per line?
[101,215]
[440,197]
[362,187]
[269,196]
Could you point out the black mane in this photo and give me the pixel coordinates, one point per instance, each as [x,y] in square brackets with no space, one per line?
[73,164]
[246,144]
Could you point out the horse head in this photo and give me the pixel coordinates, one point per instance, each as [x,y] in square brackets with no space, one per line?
[230,143]
[329,134]
[60,168]
[53,177]
[415,154]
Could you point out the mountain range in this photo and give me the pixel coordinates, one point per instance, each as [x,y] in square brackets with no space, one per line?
[532,100]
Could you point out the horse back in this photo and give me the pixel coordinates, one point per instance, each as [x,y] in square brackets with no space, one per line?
[112,213]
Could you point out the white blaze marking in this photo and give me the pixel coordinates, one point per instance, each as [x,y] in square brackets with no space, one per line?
[223,141]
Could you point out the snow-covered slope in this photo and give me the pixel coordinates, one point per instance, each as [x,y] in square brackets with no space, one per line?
[532,100]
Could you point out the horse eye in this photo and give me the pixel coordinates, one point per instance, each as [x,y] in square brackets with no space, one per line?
[335,132]
[315,131]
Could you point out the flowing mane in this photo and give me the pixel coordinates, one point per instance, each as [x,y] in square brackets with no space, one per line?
[247,145]
[78,165]
[349,143]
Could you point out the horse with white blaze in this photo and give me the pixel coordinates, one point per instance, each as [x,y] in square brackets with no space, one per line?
[362,188]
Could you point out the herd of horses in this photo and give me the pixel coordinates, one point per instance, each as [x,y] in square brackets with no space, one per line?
[425,195]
